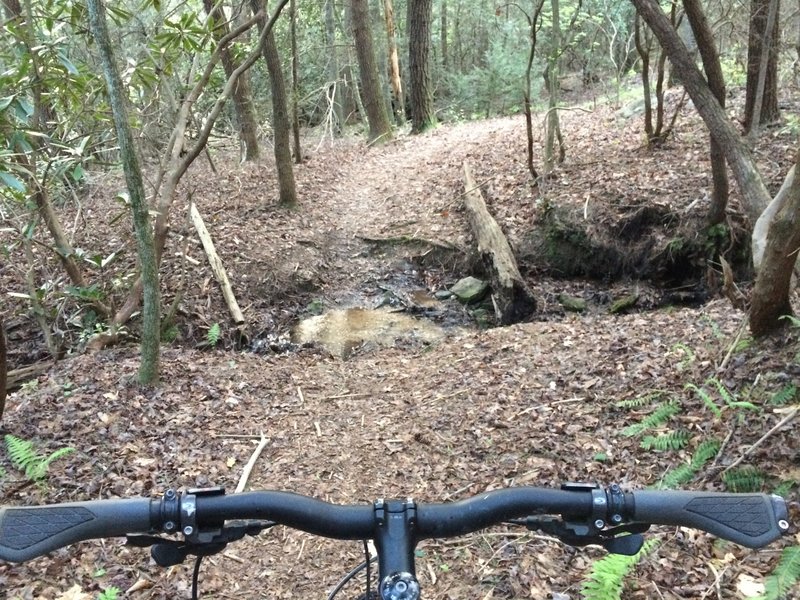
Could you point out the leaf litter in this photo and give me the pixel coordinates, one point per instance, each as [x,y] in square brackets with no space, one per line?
[529,404]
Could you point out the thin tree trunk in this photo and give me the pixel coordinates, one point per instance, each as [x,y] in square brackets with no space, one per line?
[716,81]
[642,42]
[242,95]
[333,67]
[379,126]
[443,35]
[394,64]
[151,313]
[280,116]
[756,50]
[763,68]
[755,196]
[3,369]
[551,78]
[298,154]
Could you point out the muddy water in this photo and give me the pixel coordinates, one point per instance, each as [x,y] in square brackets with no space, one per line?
[342,331]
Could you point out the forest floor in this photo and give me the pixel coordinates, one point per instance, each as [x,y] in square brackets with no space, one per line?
[535,403]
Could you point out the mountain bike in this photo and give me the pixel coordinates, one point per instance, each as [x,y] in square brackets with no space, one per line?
[206,520]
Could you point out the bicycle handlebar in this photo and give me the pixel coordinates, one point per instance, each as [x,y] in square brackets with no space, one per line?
[752,520]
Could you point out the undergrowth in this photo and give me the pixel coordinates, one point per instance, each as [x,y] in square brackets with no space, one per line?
[606,580]
[26,457]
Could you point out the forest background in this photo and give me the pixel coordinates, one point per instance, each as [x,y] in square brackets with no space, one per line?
[179,97]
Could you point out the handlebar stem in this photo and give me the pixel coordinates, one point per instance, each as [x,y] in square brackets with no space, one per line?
[395,539]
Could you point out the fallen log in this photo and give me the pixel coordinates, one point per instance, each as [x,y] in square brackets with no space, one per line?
[513,300]
[15,378]
[216,265]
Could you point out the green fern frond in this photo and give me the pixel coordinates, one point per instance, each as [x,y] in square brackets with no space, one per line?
[674,440]
[683,474]
[707,400]
[784,488]
[663,413]
[689,356]
[785,395]
[677,477]
[642,400]
[704,453]
[794,321]
[744,480]
[606,580]
[785,575]
[213,335]
[25,456]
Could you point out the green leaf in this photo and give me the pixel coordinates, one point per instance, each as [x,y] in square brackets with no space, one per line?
[13,182]
[66,62]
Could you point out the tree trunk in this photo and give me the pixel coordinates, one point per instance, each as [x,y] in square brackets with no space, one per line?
[551,80]
[443,35]
[151,312]
[379,126]
[770,299]
[758,35]
[296,150]
[755,196]
[399,102]
[242,95]
[281,125]
[532,24]
[512,299]
[716,81]
[642,41]
[334,84]
[3,369]
[423,116]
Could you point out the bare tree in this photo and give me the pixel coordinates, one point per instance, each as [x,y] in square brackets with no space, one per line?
[148,264]
[716,81]
[419,49]
[379,126]
[242,95]
[281,125]
[761,90]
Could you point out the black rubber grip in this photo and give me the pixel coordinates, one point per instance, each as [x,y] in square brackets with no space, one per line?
[31,531]
[752,520]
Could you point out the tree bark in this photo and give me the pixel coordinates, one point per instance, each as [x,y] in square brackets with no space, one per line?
[334,85]
[755,196]
[423,116]
[3,369]
[770,299]
[762,44]
[242,95]
[399,102]
[296,150]
[151,312]
[379,126]
[551,81]
[716,81]
[281,125]
[513,301]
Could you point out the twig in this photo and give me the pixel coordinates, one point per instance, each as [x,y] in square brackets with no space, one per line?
[787,419]
[735,343]
[250,464]
[300,395]
[237,436]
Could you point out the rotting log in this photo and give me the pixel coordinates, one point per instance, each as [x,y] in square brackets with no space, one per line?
[216,265]
[513,300]
[15,378]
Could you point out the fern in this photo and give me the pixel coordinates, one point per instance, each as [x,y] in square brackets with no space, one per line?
[25,456]
[785,395]
[660,415]
[685,473]
[606,580]
[784,576]
[674,440]
[744,479]
[640,401]
[213,335]
[707,400]
[704,453]
[784,488]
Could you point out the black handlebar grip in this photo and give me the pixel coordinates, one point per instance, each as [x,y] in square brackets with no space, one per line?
[751,520]
[30,531]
